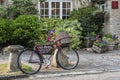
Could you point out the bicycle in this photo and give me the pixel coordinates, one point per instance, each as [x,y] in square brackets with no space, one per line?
[30,60]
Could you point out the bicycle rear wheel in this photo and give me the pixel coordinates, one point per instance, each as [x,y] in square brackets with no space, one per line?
[67,58]
[29,62]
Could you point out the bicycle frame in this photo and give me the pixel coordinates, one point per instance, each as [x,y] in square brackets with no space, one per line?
[38,50]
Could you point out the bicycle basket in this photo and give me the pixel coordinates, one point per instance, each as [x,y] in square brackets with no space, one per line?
[62,38]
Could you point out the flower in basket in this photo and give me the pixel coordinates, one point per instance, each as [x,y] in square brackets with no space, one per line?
[100,43]
[111,39]
[100,46]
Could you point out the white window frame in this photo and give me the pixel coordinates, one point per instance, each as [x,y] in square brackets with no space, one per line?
[61,11]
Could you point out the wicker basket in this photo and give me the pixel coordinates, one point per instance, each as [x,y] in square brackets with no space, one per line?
[62,38]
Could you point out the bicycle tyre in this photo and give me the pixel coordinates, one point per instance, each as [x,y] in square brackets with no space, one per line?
[23,61]
[67,58]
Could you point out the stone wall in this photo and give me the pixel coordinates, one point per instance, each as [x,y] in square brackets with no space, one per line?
[80,3]
[112,22]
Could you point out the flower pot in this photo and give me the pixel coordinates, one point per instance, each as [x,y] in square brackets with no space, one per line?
[116,46]
[113,46]
[110,47]
[88,43]
[99,49]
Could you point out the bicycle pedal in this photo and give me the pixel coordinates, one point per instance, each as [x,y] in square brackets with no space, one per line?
[46,67]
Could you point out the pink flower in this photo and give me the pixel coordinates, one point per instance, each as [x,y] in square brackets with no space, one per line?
[48,39]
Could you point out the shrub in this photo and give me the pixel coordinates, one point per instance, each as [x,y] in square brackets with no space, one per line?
[19,7]
[26,29]
[5,31]
[48,24]
[74,29]
[90,19]
[19,31]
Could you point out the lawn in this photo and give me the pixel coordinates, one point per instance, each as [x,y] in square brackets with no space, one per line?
[4,71]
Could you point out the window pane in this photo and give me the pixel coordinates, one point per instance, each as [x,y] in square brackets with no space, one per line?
[68,11]
[46,4]
[64,11]
[46,11]
[68,4]
[64,4]
[53,12]
[53,4]
[57,11]
[57,4]
[42,5]
[42,11]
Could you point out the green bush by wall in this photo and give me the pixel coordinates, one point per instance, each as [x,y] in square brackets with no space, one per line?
[19,31]
[74,29]
[28,27]
[5,31]
[91,19]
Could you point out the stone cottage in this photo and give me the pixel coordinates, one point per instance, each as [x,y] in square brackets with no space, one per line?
[62,9]
[112,18]
[56,8]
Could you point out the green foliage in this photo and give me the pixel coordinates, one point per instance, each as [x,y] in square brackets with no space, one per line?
[19,31]
[74,29]
[28,27]
[5,31]
[48,24]
[19,7]
[91,19]
[100,44]
[110,37]
[2,11]
[42,0]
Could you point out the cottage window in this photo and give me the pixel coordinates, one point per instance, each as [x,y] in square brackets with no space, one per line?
[60,9]
[44,9]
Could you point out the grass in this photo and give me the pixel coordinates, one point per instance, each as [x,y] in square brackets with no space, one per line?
[27,68]
[4,71]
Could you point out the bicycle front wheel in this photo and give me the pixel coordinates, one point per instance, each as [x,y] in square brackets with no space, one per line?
[67,58]
[29,62]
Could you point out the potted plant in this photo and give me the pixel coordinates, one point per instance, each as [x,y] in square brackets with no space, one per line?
[89,39]
[112,40]
[100,46]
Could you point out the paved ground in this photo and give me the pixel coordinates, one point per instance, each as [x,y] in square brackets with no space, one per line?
[100,76]
[89,63]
